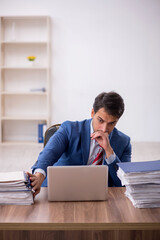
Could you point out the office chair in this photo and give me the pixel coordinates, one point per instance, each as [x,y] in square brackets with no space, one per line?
[49,132]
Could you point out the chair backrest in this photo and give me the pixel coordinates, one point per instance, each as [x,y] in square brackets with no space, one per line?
[50,131]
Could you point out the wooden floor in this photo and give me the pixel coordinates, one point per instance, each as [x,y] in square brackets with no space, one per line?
[15,157]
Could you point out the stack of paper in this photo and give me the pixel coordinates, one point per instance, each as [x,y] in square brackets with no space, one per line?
[142,181]
[15,188]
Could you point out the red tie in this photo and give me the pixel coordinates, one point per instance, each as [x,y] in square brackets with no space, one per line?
[99,158]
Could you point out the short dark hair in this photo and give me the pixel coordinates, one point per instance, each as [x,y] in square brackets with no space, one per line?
[112,102]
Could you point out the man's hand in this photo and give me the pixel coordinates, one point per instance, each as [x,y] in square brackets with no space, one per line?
[103,140]
[36,182]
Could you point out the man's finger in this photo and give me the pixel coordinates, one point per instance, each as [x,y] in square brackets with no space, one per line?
[30,174]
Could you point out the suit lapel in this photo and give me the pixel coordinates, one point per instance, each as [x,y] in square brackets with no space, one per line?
[85,141]
[112,139]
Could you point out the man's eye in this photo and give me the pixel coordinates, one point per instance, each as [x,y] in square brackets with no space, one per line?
[100,120]
[112,123]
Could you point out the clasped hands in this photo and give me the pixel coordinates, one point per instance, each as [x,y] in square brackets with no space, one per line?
[103,140]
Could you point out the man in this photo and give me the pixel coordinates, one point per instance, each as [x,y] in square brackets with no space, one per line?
[93,141]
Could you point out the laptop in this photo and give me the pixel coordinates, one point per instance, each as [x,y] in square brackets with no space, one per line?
[77,183]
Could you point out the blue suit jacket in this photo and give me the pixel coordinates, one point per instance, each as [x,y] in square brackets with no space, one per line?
[70,145]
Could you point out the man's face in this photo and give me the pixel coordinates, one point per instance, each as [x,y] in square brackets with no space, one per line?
[102,121]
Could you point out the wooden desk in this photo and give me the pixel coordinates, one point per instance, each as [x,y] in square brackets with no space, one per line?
[112,219]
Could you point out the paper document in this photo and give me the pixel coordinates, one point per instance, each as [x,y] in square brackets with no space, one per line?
[12,176]
[142,181]
[15,188]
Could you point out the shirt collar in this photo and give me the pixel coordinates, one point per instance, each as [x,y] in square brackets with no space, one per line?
[91,127]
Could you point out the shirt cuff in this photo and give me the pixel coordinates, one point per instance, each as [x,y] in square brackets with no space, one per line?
[39,170]
[111,158]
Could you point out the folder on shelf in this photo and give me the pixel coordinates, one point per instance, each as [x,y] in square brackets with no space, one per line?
[41,131]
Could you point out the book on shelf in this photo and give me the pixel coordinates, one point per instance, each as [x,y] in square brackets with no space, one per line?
[142,181]
[15,188]
[38,89]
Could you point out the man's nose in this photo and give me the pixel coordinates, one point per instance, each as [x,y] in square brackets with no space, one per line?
[105,128]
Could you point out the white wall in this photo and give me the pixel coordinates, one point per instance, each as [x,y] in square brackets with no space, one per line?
[103,45]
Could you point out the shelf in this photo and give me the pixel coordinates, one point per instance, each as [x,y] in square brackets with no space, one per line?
[23,68]
[16,42]
[29,17]
[24,93]
[24,118]
[16,55]
[6,143]
[27,28]
[21,108]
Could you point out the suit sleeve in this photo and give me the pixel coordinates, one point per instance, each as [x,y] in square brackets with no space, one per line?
[113,167]
[53,150]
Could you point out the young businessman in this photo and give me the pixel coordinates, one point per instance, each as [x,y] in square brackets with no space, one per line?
[92,141]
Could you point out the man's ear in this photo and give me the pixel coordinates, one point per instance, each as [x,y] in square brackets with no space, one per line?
[92,113]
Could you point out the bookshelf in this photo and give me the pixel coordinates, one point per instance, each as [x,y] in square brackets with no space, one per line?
[24,85]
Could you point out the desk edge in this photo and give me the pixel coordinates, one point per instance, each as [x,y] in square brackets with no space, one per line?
[79,226]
